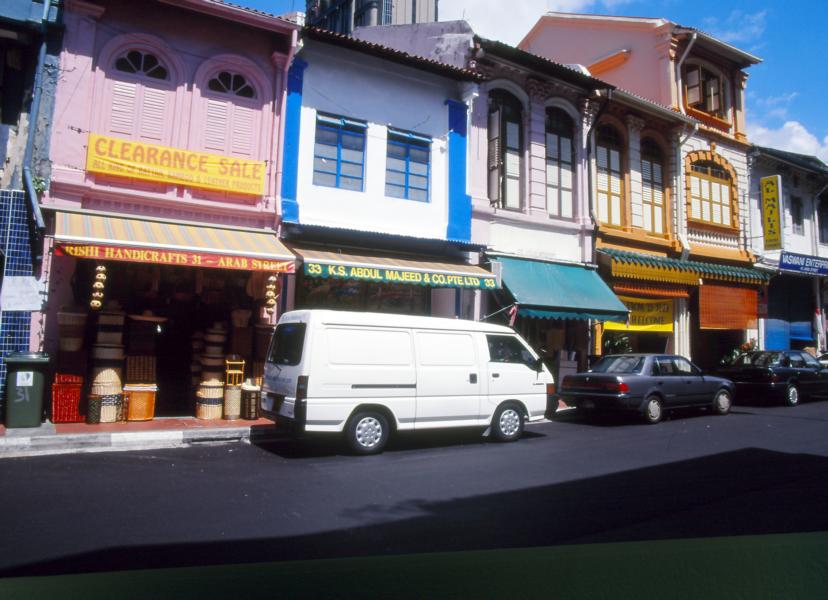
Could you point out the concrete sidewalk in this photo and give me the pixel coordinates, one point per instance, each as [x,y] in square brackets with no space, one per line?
[66,438]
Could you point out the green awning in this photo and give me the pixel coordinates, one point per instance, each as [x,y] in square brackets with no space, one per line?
[546,290]
[668,265]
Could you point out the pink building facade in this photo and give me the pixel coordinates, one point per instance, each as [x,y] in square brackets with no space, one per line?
[198,87]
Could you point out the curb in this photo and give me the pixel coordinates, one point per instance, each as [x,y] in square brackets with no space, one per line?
[18,446]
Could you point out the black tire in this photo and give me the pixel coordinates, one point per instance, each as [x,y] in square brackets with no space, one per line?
[722,402]
[507,423]
[792,397]
[653,410]
[367,432]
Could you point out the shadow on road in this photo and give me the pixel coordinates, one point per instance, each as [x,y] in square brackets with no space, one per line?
[326,445]
[746,492]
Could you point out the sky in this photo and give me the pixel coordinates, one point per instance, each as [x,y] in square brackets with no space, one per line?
[785,107]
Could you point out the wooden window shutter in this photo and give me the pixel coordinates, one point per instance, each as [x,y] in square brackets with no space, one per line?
[242,133]
[122,108]
[727,307]
[216,124]
[154,115]
[494,155]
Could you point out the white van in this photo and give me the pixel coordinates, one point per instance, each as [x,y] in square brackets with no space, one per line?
[370,375]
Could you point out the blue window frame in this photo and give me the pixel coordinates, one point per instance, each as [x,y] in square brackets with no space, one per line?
[339,152]
[408,169]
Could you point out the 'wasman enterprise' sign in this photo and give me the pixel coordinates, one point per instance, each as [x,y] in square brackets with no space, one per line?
[801,263]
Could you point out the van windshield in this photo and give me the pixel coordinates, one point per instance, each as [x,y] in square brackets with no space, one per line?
[286,348]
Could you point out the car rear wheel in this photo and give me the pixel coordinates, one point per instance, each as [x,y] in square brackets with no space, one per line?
[507,423]
[367,432]
[722,402]
[792,395]
[653,410]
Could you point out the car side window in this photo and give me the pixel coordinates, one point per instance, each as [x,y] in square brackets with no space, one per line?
[508,349]
[683,366]
[665,366]
[810,361]
[796,360]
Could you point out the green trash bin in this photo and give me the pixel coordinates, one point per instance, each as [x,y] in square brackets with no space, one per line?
[25,383]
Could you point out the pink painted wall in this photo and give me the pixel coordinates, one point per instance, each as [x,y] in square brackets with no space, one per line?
[647,72]
[179,110]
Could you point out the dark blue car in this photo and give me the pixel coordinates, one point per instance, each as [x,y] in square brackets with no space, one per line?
[787,376]
[647,384]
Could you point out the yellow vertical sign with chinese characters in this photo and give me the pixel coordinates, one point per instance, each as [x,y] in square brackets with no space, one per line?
[771,187]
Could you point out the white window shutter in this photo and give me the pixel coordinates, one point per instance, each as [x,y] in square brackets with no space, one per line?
[154,115]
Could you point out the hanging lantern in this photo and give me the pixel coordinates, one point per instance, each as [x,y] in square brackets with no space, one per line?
[270,294]
[98,287]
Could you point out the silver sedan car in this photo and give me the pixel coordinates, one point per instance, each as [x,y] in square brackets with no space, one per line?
[647,384]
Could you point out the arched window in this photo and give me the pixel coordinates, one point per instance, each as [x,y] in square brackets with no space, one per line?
[652,187]
[141,63]
[232,114]
[710,197]
[231,83]
[610,184]
[559,163]
[139,97]
[505,149]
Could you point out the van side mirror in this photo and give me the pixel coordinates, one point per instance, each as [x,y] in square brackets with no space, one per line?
[538,365]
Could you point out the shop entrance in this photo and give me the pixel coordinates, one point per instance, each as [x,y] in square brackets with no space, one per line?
[179,307]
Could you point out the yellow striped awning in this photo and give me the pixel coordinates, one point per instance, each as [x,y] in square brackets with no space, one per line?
[105,237]
[387,268]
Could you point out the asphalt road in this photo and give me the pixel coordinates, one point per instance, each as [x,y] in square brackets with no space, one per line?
[759,470]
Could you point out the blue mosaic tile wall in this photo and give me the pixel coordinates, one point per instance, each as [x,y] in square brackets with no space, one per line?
[15,245]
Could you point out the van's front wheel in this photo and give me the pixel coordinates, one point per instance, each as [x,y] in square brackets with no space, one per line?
[367,432]
[507,423]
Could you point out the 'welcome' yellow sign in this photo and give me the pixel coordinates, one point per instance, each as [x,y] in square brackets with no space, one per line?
[645,315]
[151,162]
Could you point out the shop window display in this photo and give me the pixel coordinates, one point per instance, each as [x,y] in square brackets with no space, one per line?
[184,304]
[363,296]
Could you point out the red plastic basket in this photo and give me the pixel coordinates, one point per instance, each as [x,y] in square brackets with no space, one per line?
[66,378]
[66,403]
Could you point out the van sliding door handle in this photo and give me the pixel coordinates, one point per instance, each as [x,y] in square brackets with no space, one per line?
[495,374]
[472,377]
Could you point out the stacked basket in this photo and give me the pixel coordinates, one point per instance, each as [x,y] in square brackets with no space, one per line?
[141,377]
[197,345]
[210,394]
[105,393]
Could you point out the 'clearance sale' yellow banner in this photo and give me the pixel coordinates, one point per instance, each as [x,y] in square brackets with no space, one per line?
[150,162]
[645,315]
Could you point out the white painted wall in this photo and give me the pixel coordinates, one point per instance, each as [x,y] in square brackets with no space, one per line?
[355,85]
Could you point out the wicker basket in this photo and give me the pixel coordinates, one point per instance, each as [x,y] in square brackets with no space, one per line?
[140,402]
[105,389]
[232,402]
[207,408]
[111,406]
[140,369]
[104,375]
[66,399]
[109,338]
[251,396]
[93,409]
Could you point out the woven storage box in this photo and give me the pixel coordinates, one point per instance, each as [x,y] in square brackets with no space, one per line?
[208,407]
[105,337]
[140,402]
[232,402]
[105,389]
[251,395]
[140,369]
[93,409]
[68,378]
[104,352]
[111,318]
[66,399]
[111,405]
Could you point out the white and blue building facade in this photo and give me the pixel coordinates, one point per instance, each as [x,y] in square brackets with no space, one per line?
[374,195]
[792,311]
